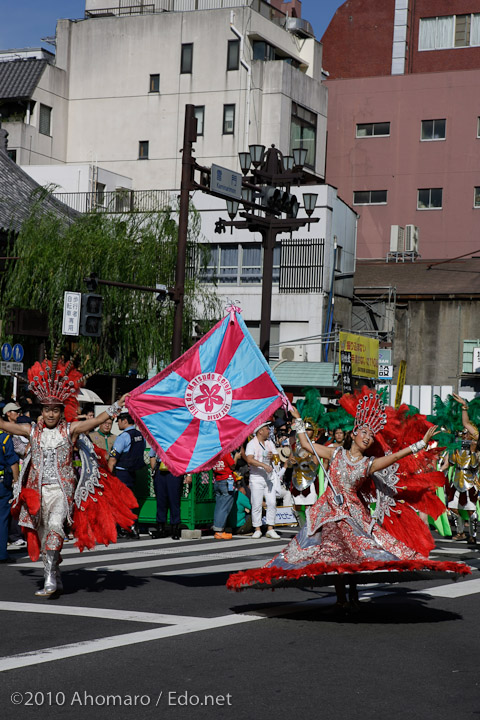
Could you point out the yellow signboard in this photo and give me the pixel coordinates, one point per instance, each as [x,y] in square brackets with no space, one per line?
[364,352]
[402,372]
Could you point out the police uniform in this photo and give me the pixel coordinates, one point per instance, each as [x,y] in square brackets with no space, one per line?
[128,450]
[8,457]
[168,491]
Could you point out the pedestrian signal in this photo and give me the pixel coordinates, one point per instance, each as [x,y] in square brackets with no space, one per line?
[91,315]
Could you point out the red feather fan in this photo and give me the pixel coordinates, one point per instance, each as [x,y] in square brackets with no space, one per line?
[95,522]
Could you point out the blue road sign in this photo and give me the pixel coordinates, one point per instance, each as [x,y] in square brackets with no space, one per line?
[6,352]
[17,353]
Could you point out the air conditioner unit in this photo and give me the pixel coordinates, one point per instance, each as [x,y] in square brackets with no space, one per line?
[397,238]
[411,238]
[292,353]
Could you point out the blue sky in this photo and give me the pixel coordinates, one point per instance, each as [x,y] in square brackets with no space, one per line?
[24,22]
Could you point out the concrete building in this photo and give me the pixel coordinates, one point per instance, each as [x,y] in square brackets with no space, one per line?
[404,124]
[114,97]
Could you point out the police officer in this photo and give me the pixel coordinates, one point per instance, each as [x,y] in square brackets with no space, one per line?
[8,475]
[127,454]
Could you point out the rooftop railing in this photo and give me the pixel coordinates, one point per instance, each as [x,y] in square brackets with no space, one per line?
[119,201]
[136,7]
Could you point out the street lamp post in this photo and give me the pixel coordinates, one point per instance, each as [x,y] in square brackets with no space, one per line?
[275,214]
[268,176]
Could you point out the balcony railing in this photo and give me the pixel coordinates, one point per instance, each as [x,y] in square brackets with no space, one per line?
[119,201]
[149,7]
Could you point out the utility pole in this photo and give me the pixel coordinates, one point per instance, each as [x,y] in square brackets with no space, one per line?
[188,164]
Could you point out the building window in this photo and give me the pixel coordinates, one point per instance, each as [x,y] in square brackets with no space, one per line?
[228,119]
[476,198]
[238,264]
[373,129]
[143,150]
[251,264]
[228,268]
[233,55]
[199,113]
[433,129]
[430,199]
[303,132]
[370,197]
[449,31]
[187,58]
[478,127]
[154,83]
[45,119]
[12,154]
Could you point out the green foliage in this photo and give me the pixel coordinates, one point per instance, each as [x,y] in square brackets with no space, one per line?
[55,256]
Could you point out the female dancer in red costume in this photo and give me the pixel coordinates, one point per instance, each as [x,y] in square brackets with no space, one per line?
[50,492]
[342,537]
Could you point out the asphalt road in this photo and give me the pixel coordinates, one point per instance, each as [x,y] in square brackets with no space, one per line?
[147,629]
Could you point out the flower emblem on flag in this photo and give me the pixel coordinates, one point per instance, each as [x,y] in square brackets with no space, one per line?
[207,402]
[213,392]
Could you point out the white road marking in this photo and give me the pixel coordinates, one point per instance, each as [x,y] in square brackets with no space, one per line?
[455,590]
[211,569]
[163,562]
[62,652]
[92,612]
[81,559]
[451,551]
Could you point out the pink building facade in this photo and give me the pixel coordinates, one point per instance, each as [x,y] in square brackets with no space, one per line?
[404,149]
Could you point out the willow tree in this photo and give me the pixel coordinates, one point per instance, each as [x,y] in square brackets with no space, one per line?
[53,256]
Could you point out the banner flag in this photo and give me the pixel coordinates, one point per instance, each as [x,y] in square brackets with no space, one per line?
[209,400]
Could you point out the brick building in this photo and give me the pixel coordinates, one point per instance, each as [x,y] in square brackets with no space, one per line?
[404,123]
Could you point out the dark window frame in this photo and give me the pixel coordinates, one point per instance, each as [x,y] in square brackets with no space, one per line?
[372,197]
[233,55]
[429,206]
[307,121]
[142,146]
[186,59]
[435,122]
[375,126]
[154,86]
[224,124]
[41,120]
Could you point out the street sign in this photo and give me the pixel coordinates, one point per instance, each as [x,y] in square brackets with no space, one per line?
[346,370]
[384,356]
[7,368]
[385,372]
[17,353]
[6,352]
[71,313]
[225,182]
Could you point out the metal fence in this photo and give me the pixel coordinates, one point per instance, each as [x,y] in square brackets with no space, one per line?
[139,7]
[119,201]
[301,265]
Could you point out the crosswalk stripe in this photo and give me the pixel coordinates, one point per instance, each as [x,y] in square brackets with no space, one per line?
[211,569]
[81,559]
[159,562]
[103,613]
[456,590]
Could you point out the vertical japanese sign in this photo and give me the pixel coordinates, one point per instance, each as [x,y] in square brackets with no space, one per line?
[402,372]
[72,302]
[346,371]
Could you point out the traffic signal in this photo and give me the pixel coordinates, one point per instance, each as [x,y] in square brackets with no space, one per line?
[91,315]
[278,201]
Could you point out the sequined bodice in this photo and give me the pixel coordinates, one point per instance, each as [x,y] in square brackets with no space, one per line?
[347,476]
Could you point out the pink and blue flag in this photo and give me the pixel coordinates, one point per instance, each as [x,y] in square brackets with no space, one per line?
[209,400]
